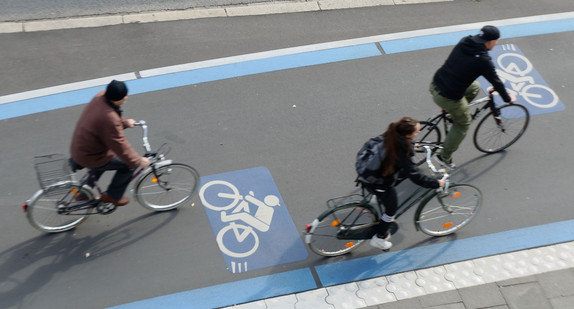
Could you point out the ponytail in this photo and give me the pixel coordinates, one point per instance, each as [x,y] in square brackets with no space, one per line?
[392,138]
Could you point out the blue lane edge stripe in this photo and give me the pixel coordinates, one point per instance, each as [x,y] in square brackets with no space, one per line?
[384,264]
[445,253]
[452,38]
[162,82]
[228,294]
[185,78]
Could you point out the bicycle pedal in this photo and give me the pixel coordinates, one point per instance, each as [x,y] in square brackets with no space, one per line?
[105,208]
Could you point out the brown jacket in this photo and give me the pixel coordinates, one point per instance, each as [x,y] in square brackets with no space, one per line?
[99,136]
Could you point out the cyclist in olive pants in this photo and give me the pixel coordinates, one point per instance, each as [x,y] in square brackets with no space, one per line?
[454,85]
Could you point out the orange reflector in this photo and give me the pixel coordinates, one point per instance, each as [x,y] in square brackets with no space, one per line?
[447,225]
[335,222]
[349,244]
[74,191]
[455,194]
[154,180]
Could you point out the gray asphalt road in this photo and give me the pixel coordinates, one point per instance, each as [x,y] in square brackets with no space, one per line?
[250,121]
[14,10]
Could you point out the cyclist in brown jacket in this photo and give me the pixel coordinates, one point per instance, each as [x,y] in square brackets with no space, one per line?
[99,142]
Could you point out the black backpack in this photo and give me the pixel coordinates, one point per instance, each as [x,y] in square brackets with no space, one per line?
[369,160]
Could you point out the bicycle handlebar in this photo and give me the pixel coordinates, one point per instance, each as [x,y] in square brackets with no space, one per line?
[160,153]
[445,175]
[143,125]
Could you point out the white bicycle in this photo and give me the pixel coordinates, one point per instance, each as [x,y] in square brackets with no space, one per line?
[63,203]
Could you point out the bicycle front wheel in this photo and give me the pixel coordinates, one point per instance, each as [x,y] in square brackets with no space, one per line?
[429,134]
[444,213]
[332,233]
[496,133]
[46,210]
[168,187]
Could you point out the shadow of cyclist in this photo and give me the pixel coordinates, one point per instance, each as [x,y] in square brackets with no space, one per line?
[477,167]
[30,265]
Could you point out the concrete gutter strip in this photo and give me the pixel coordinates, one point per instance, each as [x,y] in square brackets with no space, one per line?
[231,11]
[272,8]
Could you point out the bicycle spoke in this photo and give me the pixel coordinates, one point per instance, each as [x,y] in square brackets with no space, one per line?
[329,235]
[174,185]
[442,215]
[181,188]
[43,214]
[496,134]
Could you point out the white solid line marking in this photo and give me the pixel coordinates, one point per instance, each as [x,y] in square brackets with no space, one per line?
[64,88]
[279,52]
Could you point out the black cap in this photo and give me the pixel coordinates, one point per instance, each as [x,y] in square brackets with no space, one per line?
[487,33]
[116,90]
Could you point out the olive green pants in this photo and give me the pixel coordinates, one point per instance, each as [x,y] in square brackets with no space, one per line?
[461,119]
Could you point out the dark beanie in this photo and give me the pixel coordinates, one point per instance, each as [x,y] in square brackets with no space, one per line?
[116,90]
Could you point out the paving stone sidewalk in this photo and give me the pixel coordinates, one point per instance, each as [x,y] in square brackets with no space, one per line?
[546,290]
[537,278]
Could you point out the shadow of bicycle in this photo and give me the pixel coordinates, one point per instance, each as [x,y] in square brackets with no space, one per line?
[477,167]
[30,265]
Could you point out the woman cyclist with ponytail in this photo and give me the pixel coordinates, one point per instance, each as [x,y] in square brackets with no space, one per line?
[396,166]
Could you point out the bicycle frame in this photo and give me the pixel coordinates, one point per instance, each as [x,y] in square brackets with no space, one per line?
[489,100]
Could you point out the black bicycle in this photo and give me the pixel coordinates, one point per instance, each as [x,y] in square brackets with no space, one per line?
[501,127]
[352,219]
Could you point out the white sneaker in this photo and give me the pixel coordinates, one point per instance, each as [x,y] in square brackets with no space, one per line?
[381,243]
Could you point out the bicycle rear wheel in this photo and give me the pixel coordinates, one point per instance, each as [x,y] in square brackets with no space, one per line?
[170,186]
[496,133]
[328,235]
[42,209]
[429,134]
[443,214]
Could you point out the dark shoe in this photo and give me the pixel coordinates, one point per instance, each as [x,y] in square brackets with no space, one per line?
[80,197]
[446,163]
[107,199]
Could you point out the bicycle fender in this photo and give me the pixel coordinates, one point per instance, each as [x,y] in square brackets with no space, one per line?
[157,165]
[328,211]
[324,214]
[56,185]
[314,225]
[34,197]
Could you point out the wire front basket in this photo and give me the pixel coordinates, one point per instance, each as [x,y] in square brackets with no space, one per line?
[52,169]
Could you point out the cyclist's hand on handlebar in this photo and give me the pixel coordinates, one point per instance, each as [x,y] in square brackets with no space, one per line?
[131,123]
[144,162]
[417,147]
[512,97]
[441,183]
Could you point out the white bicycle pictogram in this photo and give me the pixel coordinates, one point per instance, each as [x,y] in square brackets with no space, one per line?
[228,198]
[515,69]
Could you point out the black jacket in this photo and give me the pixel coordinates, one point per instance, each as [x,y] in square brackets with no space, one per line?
[405,168]
[467,61]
